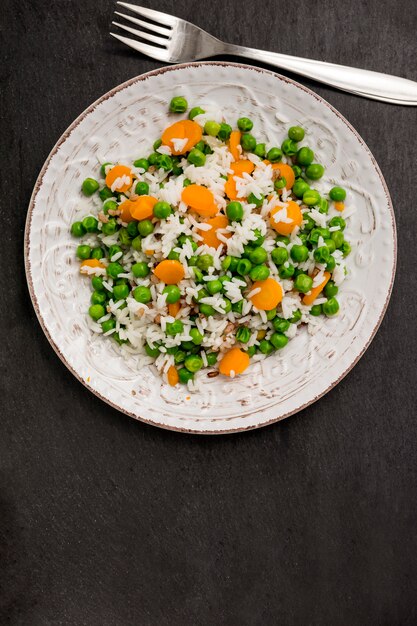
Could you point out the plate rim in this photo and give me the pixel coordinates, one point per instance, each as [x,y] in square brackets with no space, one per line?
[63,137]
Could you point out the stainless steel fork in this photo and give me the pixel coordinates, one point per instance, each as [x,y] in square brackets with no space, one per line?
[173,40]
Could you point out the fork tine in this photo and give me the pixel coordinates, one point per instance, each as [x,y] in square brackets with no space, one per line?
[153,27]
[151,51]
[139,33]
[157,16]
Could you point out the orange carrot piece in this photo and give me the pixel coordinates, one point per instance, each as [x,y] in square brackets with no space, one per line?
[235,361]
[316,291]
[169,272]
[142,207]
[181,130]
[210,236]
[339,206]
[230,188]
[287,172]
[90,263]
[173,309]
[172,376]
[269,296]
[234,142]
[118,171]
[241,166]
[200,199]
[293,212]
[125,210]
[149,252]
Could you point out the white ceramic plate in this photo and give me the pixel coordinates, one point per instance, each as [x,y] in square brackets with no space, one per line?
[121,126]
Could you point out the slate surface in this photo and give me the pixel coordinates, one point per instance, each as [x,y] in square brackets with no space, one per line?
[105,521]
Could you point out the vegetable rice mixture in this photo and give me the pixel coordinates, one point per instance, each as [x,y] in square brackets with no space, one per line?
[213,249]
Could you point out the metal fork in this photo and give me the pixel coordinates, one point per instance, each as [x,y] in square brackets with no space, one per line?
[174,40]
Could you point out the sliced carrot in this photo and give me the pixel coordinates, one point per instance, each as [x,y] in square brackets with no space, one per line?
[142,207]
[181,130]
[230,188]
[316,291]
[339,206]
[241,166]
[234,362]
[125,210]
[234,142]
[149,252]
[287,172]
[200,199]
[119,171]
[293,213]
[170,272]
[172,376]
[173,309]
[90,263]
[210,236]
[269,296]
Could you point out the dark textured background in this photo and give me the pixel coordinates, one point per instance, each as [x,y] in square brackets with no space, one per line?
[105,521]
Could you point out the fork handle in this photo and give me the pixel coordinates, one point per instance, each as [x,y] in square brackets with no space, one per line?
[366,83]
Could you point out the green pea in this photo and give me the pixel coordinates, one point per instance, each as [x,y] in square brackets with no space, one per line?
[331,307]
[234,211]
[211,358]
[77,229]
[164,162]
[174,256]
[300,187]
[214,286]
[308,223]
[289,147]
[311,197]
[331,264]
[243,334]
[195,111]
[258,202]
[179,357]
[303,283]
[211,128]
[330,244]
[196,157]
[108,325]
[137,244]
[110,227]
[186,182]
[145,228]
[296,133]
[114,269]
[96,311]
[280,183]
[231,264]
[314,171]
[322,254]
[282,239]
[274,155]
[178,104]
[286,272]
[109,205]
[316,310]
[279,255]
[189,346]
[97,253]
[162,210]
[140,270]
[153,352]
[173,293]
[90,224]
[265,347]
[224,279]
[316,233]
[83,252]
[250,351]
[323,206]
[305,156]
[299,254]
[260,150]
[204,262]
[337,194]
[198,274]
[346,248]
[338,221]
[157,144]
[193,363]
[259,272]
[259,239]
[142,294]
[271,314]
[174,328]
[258,255]
[124,238]
[114,250]
[105,193]
[176,168]
[98,297]
[248,142]
[120,292]
[206,309]
[200,145]
[142,188]
[184,375]
[89,186]
[278,340]
[103,169]
[304,238]
[97,283]
[296,316]
[297,170]
[192,261]
[330,290]
[237,307]
[196,336]
[244,124]
[244,266]
[337,238]
[227,305]
[142,164]
[280,324]
[224,132]
[152,158]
